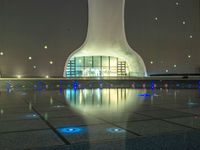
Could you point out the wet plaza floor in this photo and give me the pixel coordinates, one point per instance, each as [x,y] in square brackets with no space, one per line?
[113,119]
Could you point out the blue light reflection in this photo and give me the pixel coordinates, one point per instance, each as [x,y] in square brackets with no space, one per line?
[144,95]
[199,86]
[72,130]
[152,85]
[75,85]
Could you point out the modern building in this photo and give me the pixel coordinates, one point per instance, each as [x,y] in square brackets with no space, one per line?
[105,51]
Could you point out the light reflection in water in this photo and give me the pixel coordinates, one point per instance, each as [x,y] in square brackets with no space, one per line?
[51,101]
[30,106]
[2,111]
[104,100]
[120,103]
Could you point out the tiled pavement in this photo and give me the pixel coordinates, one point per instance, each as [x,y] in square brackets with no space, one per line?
[33,121]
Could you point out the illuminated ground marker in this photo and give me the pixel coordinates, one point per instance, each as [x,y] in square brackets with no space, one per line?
[31,116]
[116,130]
[71,130]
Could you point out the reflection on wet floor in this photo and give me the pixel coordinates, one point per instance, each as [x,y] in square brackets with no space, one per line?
[109,101]
[96,118]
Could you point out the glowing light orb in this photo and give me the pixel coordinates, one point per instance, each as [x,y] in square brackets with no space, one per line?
[45,47]
[1,53]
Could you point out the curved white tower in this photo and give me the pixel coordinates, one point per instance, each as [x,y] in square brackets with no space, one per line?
[105,51]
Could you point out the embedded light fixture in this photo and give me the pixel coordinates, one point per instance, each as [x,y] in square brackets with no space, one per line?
[71,130]
[116,130]
[1,53]
[30,58]
[31,116]
[46,76]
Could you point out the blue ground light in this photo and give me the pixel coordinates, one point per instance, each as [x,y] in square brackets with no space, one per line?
[71,130]
[144,95]
[116,130]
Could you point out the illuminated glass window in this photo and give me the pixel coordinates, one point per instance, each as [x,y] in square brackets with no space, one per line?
[97,61]
[94,66]
[113,62]
[88,62]
[105,61]
[79,61]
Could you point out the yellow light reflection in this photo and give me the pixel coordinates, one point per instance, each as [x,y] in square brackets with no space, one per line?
[97,101]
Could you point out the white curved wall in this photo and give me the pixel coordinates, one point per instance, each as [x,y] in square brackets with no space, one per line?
[106,35]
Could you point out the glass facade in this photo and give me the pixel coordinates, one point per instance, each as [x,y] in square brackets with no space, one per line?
[94,66]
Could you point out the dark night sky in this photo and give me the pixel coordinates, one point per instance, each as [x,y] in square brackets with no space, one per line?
[159,30]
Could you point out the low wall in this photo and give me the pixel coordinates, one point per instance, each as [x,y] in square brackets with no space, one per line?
[31,84]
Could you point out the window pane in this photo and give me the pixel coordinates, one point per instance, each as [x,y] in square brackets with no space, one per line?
[105,71]
[79,71]
[88,61]
[113,61]
[105,61]
[79,61]
[97,61]
[113,71]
